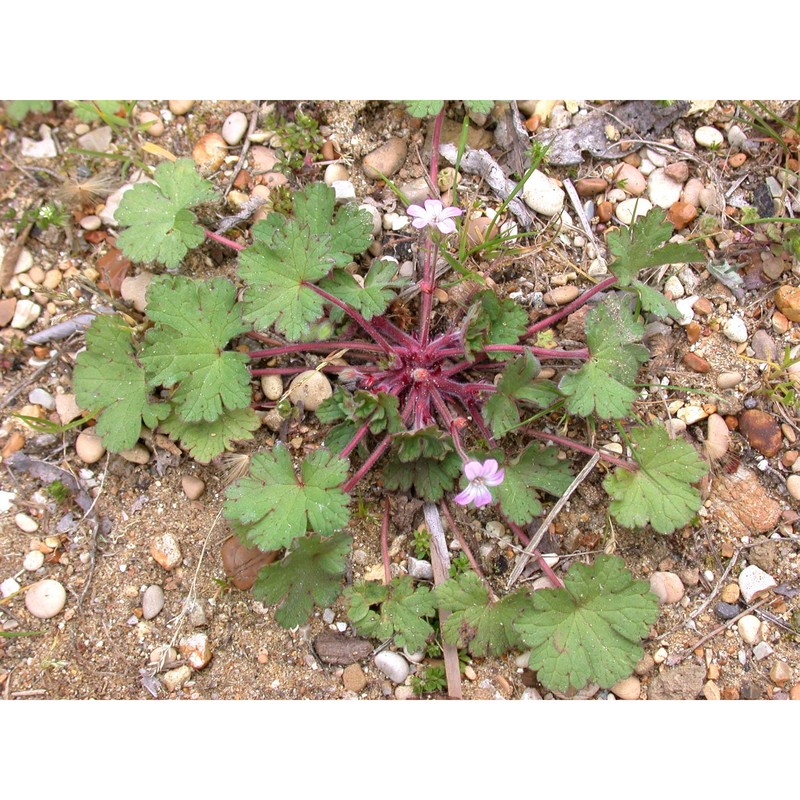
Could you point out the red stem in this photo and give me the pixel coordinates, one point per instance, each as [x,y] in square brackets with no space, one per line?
[357,437]
[583,448]
[348,485]
[548,322]
[546,568]
[314,347]
[222,240]
[393,332]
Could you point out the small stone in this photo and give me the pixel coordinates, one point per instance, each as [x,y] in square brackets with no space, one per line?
[386,159]
[696,363]
[543,194]
[692,414]
[152,601]
[773,267]
[711,691]
[180,107]
[730,593]
[45,599]
[196,649]
[89,447]
[33,561]
[605,211]
[727,380]
[272,386]
[589,187]
[680,214]
[26,523]
[674,288]
[762,431]
[193,487]
[794,692]
[754,582]
[749,628]
[311,388]
[764,346]
[706,136]
[561,295]
[416,191]
[45,148]
[787,299]
[335,172]
[392,665]
[166,550]
[234,127]
[99,139]
[780,674]
[793,485]
[679,171]
[735,329]
[176,678]
[354,679]
[43,398]
[138,454]
[7,308]
[749,691]
[630,180]
[662,190]
[8,587]
[762,650]
[667,586]
[134,290]
[155,125]
[344,191]
[711,200]
[625,209]
[209,152]
[717,441]
[25,314]
[403,693]
[91,222]
[727,611]
[419,569]
[674,427]
[375,215]
[627,689]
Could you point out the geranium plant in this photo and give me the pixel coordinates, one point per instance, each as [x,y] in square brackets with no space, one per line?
[442,407]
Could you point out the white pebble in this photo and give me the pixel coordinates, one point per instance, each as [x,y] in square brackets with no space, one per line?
[706,136]
[392,665]
[26,523]
[674,287]
[753,582]
[45,599]
[543,194]
[344,190]
[749,628]
[735,329]
[762,650]
[33,561]
[25,314]
[89,447]
[152,601]
[234,127]
[685,307]
[311,388]
[793,485]
[8,587]
[43,398]
[336,172]
[625,210]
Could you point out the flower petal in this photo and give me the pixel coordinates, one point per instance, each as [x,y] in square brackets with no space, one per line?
[466,497]
[450,211]
[483,496]
[489,468]
[416,211]
[496,478]
[446,225]
[419,223]
[433,207]
[473,469]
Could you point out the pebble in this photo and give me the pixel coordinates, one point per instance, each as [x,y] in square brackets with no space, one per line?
[134,290]
[7,308]
[674,287]
[386,159]
[209,152]
[717,440]
[176,678]
[691,191]
[152,601]
[166,551]
[706,136]
[753,582]
[627,689]
[33,560]
[780,674]
[696,363]
[344,191]
[727,380]
[8,587]
[180,107]
[335,172]
[711,691]
[25,314]
[625,209]
[726,610]
[589,187]
[711,200]
[679,171]
[45,599]
[749,628]
[311,388]
[674,427]
[787,299]
[662,190]
[392,665]
[735,329]
[423,570]
[680,214]
[196,649]
[89,447]
[543,195]
[764,346]
[762,431]
[193,487]
[99,139]
[272,386]
[630,180]
[234,127]
[762,650]
[45,148]
[375,215]
[26,523]
[793,485]
[155,129]
[692,414]
[561,295]
[667,586]
[138,454]
[354,679]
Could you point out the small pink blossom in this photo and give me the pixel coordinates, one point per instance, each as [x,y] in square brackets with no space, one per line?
[480,476]
[435,215]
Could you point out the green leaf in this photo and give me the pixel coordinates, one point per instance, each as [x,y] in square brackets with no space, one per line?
[161,227]
[275,507]
[427,442]
[349,229]
[310,574]
[380,408]
[18,109]
[653,301]
[430,478]
[591,630]
[485,627]
[424,108]
[195,320]
[401,614]
[205,440]
[338,437]
[110,383]
[479,106]
[537,467]
[375,296]
[659,492]
[602,386]
[93,110]
[275,273]
[642,245]
[494,321]
[501,412]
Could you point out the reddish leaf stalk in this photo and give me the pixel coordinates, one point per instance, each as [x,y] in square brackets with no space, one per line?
[315,347]
[357,437]
[224,241]
[348,485]
[565,441]
[546,568]
[551,320]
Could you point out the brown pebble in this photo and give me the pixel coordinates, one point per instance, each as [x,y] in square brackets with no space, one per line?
[794,692]
[730,594]
[242,180]
[703,306]
[762,431]
[192,486]
[605,211]
[737,160]
[787,298]
[16,441]
[328,152]
[589,187]
[713,672]
[166,551]
[679,171]
[561,295]
[7,308]
[209,152]
[780,673]
[532,123]
[680,214]
[726,550]
[711,691]
[242,564]
[693,331]
[353,678]
[780,322]
[696,363]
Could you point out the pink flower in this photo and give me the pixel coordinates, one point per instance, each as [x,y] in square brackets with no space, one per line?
[435,215]
[480,476]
